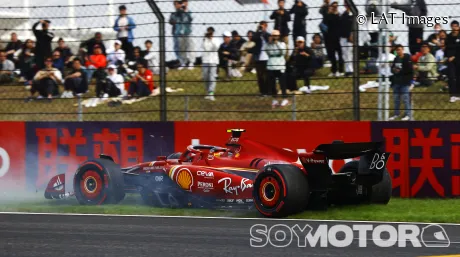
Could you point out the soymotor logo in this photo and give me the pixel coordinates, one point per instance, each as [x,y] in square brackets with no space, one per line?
[402,235]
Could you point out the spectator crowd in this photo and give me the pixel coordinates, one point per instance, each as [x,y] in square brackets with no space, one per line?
[122,70]
[126,70]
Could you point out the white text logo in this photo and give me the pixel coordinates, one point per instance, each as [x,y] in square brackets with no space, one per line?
[401,235]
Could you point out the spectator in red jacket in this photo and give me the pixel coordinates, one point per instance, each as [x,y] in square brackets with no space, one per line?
[95,62]
[142,84]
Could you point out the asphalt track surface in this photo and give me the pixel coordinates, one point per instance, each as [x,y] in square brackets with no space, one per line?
[92,236]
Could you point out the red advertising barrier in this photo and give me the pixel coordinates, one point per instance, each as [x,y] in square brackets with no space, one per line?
[425,160]
[425,157]
[295,135]
[12,154]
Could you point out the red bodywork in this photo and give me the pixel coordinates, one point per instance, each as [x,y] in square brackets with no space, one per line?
[211,171]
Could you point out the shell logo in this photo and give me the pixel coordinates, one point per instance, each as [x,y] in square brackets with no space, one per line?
[183,177]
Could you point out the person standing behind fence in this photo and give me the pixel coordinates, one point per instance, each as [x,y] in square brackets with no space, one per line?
[173,22]
[260,57]
[151,57]
[210,60]
[276,67]
[453,61]
[403,73]
[300,11]
[346,39]
[43,42]
[416,8]
[375,7]
[323,10]
[282,17]
[125,25]
[182,20]
[332,40]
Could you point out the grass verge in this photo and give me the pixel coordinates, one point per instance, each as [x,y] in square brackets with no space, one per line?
[408,210]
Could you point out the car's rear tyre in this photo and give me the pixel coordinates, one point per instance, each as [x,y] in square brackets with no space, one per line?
[99,181]
[280,190]
[379,193]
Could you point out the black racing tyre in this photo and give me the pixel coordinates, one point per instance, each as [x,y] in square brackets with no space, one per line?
[98,182]
[280,190]
[379,193]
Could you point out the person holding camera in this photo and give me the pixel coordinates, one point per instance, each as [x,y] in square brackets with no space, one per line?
[43,42]
[300,65]
[403,72]
[282,17]
[210,60]
[332,40]
[260,39]
[276,67]
[182,29]
[300,11]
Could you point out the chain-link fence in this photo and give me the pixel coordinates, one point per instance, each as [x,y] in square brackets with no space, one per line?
[227,78]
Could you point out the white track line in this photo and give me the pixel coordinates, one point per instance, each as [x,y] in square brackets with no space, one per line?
[223,218]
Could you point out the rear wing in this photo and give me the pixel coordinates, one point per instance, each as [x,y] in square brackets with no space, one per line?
[372,162]
[340,150]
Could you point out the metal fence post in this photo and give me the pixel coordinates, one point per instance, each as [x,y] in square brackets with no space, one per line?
[80,109]
[161,27]
[186,108]
[294,114]
[356,100]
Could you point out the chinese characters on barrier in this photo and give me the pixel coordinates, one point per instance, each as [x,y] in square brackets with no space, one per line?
[61,150]
[420,160]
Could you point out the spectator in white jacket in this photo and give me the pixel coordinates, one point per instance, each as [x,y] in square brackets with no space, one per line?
[210,60]
[113,85]
[116,55]
[151,57]
[276,66]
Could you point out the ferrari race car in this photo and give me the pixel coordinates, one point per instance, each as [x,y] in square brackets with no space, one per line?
[243,174]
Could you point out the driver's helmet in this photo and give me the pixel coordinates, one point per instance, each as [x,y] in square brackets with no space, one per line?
[190,157]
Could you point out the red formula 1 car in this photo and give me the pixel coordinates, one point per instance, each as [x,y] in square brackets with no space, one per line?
[244,173]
